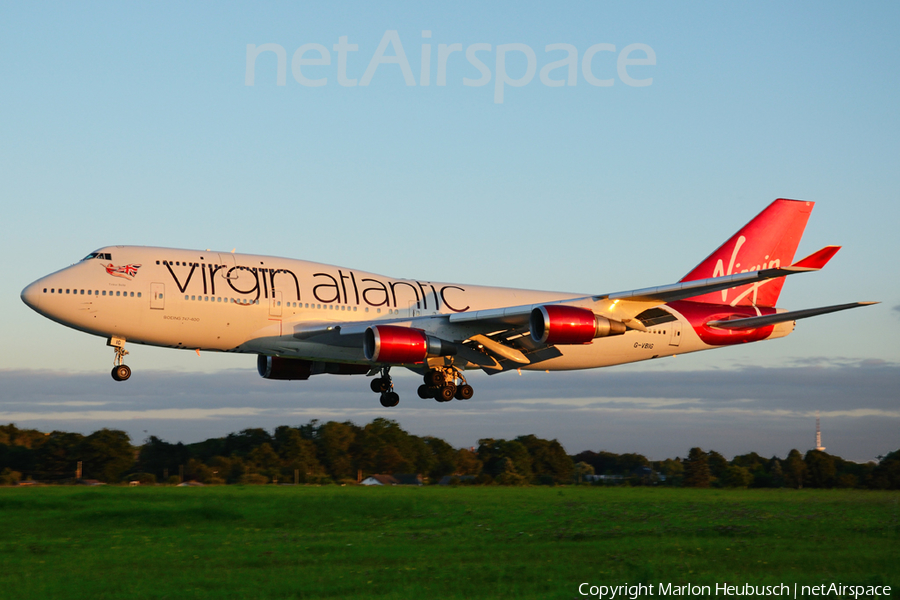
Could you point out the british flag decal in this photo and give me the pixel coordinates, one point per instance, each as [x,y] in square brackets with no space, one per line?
[126,271]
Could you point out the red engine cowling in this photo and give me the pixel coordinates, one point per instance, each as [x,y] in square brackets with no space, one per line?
[559,324]
[402,345]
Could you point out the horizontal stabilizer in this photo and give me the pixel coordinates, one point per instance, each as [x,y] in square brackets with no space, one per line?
[817,260]
[755,322]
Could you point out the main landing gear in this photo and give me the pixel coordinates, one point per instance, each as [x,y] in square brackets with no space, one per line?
[440,384]
[120,371]
[384,386]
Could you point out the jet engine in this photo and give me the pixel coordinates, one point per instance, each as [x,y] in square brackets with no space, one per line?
[558,324]
[275,367]
[402,345]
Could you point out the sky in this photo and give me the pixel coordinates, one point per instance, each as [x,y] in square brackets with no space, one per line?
[142,124]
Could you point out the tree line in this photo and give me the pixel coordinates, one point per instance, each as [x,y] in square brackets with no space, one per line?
[335,452]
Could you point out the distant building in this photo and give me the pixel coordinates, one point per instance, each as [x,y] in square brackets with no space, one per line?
[395,479]
[408,479]
[379,480]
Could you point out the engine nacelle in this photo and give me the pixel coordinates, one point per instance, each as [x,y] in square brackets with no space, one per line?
[402,345]
[559,324]
[275,367]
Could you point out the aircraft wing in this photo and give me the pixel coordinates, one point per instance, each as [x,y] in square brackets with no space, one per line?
[624,306]
[794,315]
[498,338]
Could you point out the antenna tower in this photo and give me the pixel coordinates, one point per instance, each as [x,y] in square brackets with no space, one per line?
[819,445]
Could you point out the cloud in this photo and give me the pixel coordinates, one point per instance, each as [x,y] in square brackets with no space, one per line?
[656,412]
[896,309]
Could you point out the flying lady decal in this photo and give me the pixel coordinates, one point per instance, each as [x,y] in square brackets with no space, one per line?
[126,272]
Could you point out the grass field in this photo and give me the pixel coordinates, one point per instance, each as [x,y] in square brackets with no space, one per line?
[467,542]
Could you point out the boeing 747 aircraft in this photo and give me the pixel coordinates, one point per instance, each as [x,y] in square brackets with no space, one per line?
[302,318]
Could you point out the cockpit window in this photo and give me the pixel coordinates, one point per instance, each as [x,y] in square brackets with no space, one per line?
[100,255]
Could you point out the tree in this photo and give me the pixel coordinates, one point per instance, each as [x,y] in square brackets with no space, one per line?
[265,461]
[334,441]
[297,454]
[244,442]
[230,469]
[390,460]
[696,469]
[493,454]
[794,469]
[604,463]
[9,477]
[509,474]
[58,456]
[582,469]
[820,469]
[736,476]
[107,455]
[717,465]
[444,458]
[158,456]
[775,474]
[195,470]
[549,461]
[631,462]
[886,476]
[467,463]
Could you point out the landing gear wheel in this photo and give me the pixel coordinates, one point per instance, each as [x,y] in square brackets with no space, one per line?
[379,385]
[446,393]
[425,392]
[464,392]
[121,372]
[434,378]
[389,399]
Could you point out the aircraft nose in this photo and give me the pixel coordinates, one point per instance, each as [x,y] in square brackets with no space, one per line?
[31,295]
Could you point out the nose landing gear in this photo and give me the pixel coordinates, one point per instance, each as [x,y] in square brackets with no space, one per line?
[440,384]
[384,386]
[120,371]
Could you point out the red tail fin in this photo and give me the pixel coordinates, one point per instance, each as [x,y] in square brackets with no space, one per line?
[769,240]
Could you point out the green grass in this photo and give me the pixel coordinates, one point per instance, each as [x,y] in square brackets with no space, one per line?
[334,542]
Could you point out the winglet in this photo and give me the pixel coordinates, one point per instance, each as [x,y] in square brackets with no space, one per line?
[818,259]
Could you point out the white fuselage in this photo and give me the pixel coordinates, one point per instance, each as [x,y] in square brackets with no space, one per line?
[266,305]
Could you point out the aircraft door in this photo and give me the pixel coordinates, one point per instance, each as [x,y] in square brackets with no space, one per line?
[675,340]
[275,304]
[157,296]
